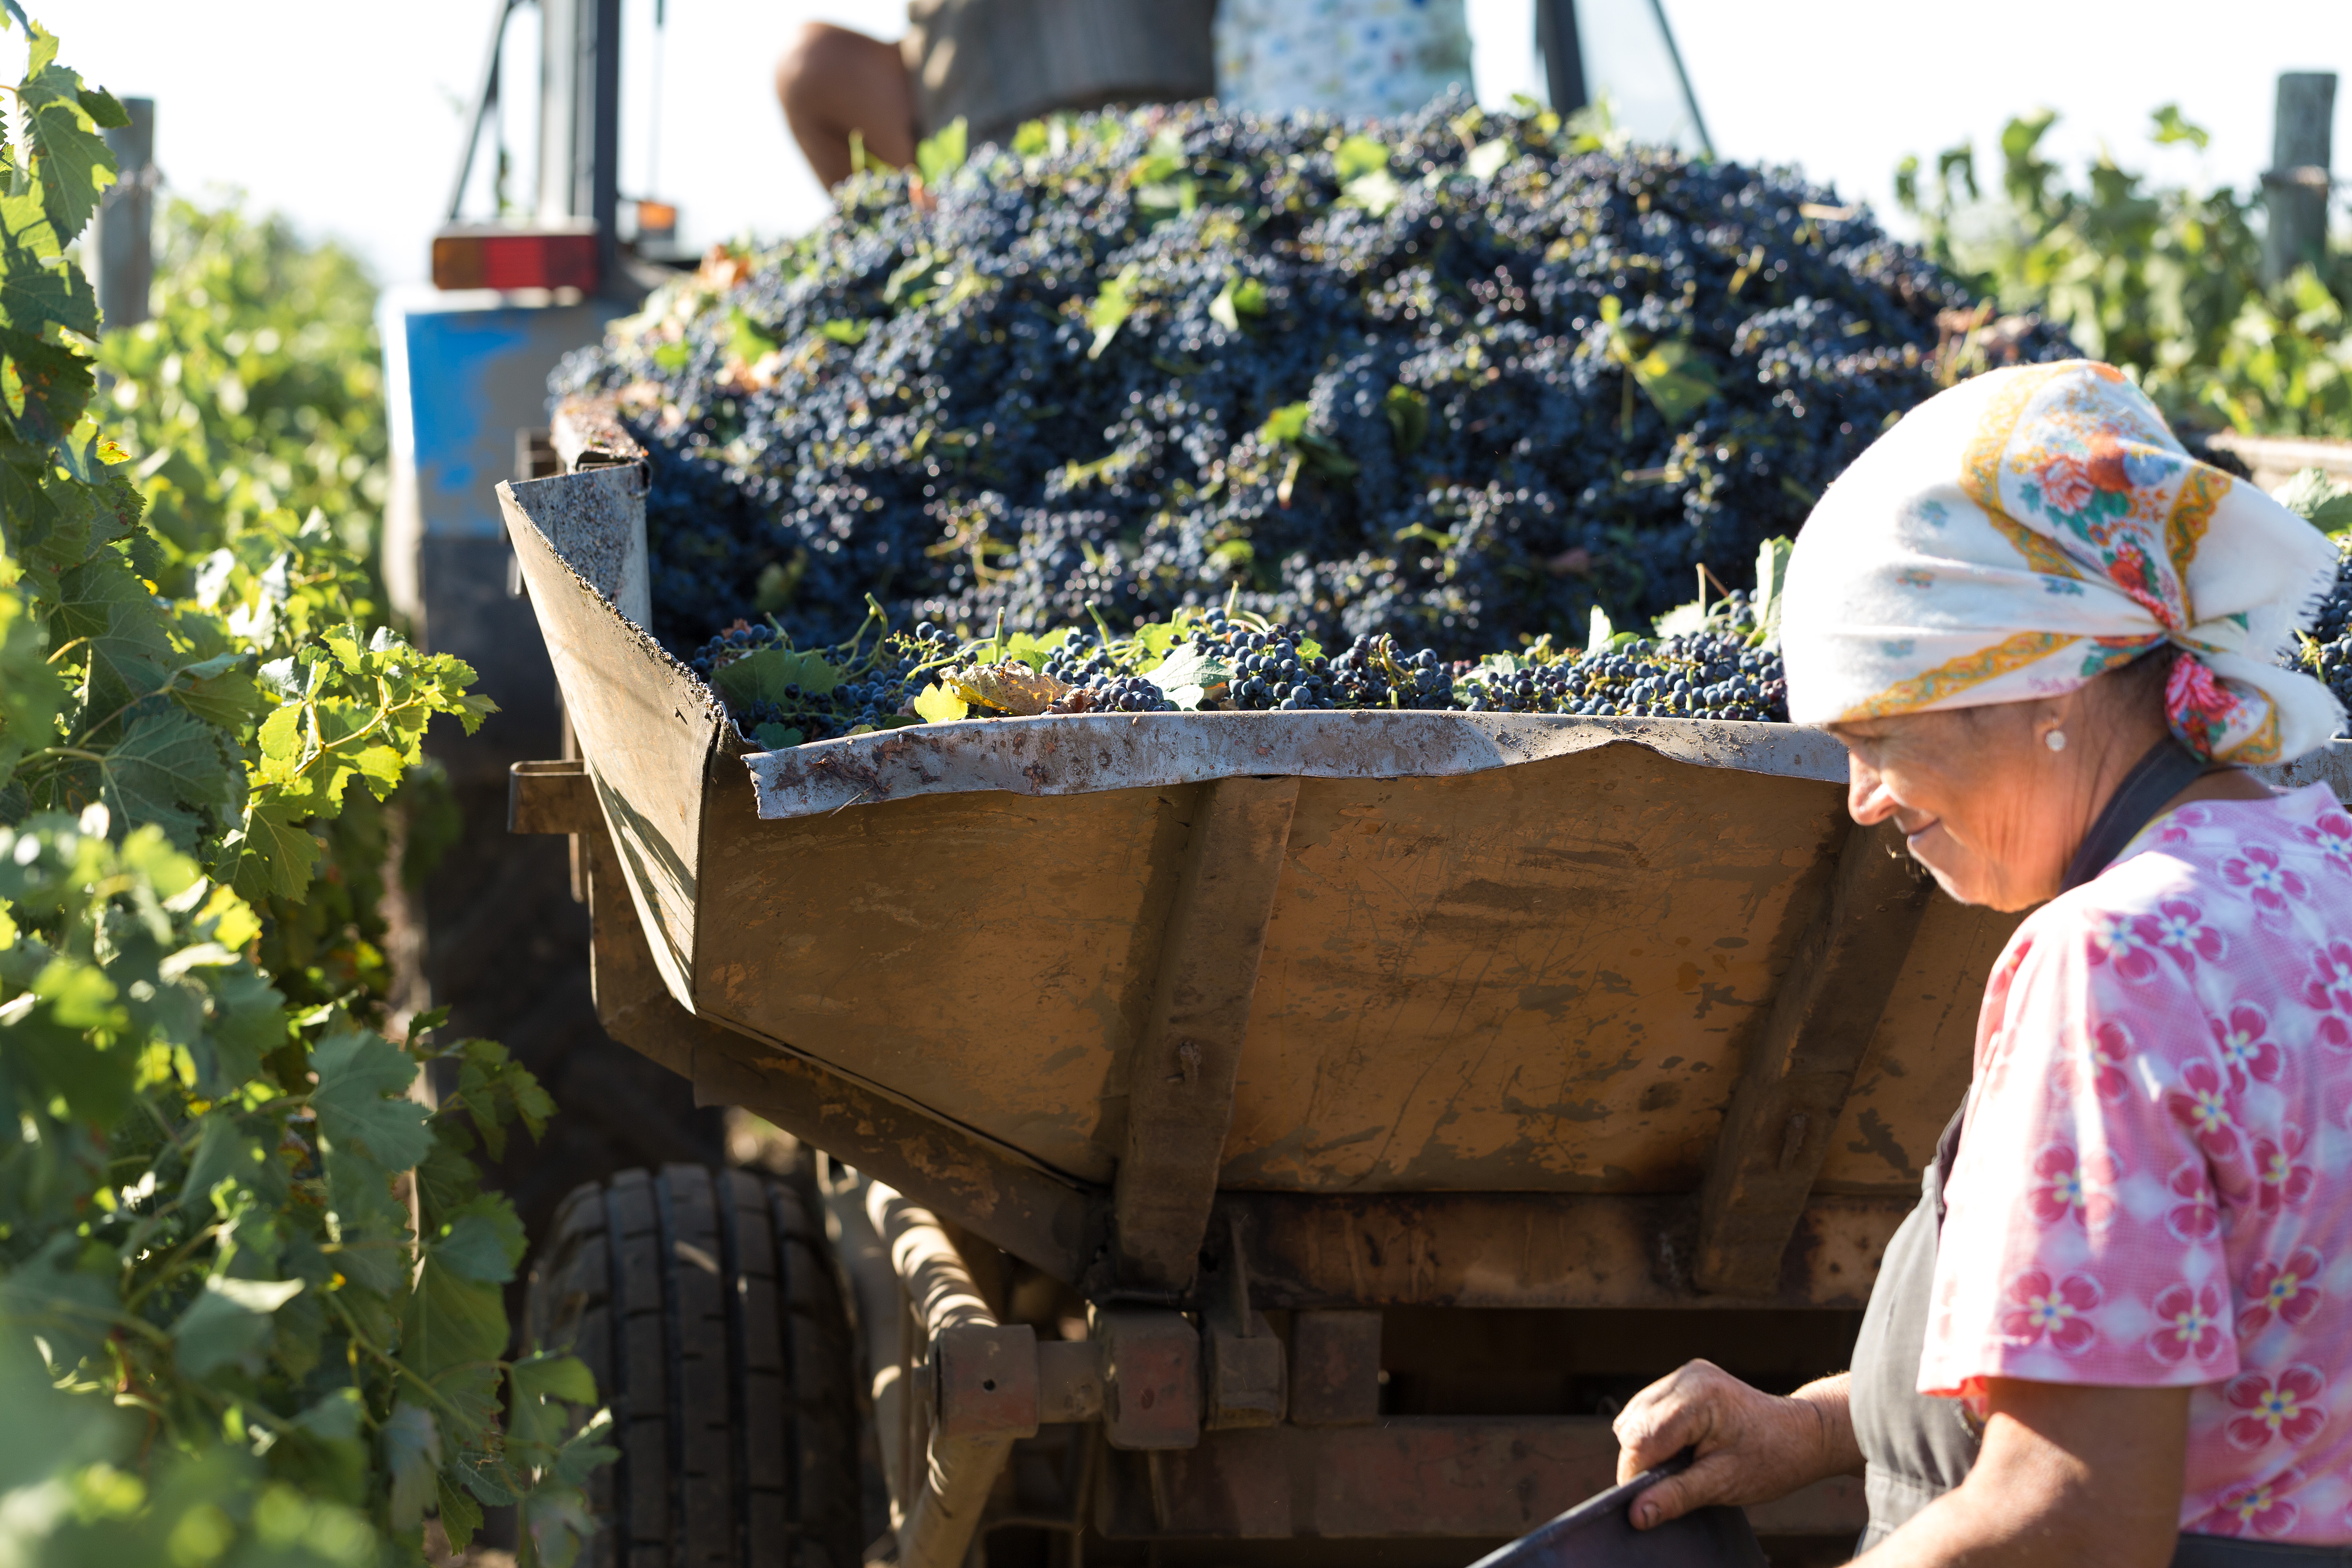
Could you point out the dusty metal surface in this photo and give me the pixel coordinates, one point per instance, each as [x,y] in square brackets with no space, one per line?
[1084,753]
[1535,979]
[1523,1250]
[1181,1081]
[1798,1069]
[1400,1479]
[646,724]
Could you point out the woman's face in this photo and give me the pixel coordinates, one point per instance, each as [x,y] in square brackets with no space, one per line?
[1984,803]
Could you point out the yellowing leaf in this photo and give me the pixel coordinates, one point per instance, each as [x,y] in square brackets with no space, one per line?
[939,706]
[1010,687]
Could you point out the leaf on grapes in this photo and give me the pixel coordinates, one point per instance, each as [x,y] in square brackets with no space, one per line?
[364,1079]
[1356,156]
[1188,674]
[767,675]
[411,1442]
[1486,159]
[228,1321]
[1035,651]
[1677,380]
[1009,687]
[1771,578]
[939,155]
[1408,414]
[2319,498]
[482,1241]
[1240,296]
[1284,425]
[1113,304]
[776,736]
[936,705]
[851,333]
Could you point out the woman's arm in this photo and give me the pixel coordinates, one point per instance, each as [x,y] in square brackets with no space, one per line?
[2070,1476]
[1752,1446]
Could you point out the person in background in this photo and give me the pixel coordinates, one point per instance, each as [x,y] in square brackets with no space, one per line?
[1348,57]
[990,63]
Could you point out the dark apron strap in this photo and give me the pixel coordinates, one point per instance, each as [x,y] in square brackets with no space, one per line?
[2168,768]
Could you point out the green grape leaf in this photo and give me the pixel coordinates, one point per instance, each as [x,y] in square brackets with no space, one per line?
[540,1386]
[496,1089]
[1677,380]
[103,108]
[461,1516]
[1356,156]
[1486,159]
[451,1321]
[1408,414]
[482,1241]
[111,613]
[410,1443]
[34,297]
[939,155]
[2319,498]
[359,1075]
[763,677]
[165,769]
[1114,302]
[229,1321]
[271,853]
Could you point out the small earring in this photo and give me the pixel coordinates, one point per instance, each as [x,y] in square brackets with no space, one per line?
[2055,739]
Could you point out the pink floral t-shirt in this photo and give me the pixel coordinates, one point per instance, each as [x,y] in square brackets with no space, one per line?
[2154,1184]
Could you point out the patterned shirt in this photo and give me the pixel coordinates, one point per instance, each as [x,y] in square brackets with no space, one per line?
[2151,1183]
[1348,57]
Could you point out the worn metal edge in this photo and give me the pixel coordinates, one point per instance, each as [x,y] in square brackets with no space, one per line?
[1082,753]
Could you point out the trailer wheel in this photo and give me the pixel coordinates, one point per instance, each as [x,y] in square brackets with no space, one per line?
[706,1303]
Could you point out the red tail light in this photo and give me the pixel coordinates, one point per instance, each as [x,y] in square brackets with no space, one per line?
[473,257]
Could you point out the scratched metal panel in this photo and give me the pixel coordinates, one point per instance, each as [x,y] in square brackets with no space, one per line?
[1540,978]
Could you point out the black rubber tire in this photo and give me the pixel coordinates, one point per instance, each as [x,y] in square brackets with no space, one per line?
[706,1304]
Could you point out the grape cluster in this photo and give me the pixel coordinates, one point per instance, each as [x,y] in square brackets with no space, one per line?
[1185,358]
[1703,675]
[2326,649]
[878,688]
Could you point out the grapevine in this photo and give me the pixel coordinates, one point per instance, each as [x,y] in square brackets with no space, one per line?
[250,1291]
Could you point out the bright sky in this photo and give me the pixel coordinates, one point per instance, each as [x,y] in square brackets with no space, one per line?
[348,117]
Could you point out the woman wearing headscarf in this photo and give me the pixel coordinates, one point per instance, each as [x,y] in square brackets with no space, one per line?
[2118,1327]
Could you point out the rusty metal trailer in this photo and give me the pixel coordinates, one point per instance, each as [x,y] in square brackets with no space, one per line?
[1247,1136]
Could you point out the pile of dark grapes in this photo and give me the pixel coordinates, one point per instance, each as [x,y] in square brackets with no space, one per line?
[1179,357]
[2327,650]
[1721,671]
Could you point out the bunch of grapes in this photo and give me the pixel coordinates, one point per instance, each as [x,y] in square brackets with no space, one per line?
[2326,649]
[1452,381]
[872,690]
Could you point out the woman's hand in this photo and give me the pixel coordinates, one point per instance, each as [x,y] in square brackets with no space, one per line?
[1752,1446]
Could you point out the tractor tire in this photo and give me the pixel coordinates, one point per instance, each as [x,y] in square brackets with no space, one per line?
[706,1304]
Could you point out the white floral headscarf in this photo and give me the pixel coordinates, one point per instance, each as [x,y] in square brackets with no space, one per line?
[2024,532]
